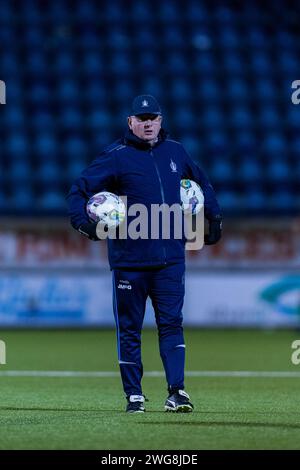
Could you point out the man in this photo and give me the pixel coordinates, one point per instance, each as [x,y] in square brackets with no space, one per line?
[146,166]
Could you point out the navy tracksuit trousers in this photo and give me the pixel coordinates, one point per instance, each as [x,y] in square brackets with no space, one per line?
[165,287]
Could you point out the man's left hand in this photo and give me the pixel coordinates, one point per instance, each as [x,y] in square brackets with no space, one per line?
[215,231]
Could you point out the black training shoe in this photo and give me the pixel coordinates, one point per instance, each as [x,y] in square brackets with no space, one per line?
[135,404]
[179,402]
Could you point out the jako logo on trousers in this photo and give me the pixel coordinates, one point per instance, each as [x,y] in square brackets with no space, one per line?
[124,286]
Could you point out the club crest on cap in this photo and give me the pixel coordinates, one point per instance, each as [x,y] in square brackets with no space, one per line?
[145,104]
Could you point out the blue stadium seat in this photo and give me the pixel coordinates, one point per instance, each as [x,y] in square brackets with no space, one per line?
[98,119]
[19,171]
[17,145]
[228,38]
[43,121]
[204,64]
[10,64]
[6,34]
[282,202]
[255,38]
[139,13]
[74,147]
[36,63]
[14,92]
[51,201]
[33,37]
[278,171]
[7,13]
[264,89]
[245,143]
[75,167]
[49,172]
[180,90]
[293,117]
[223,15]
[236,90]
[117,39]
[120,64]
[288,62]
[274,144]
[217,142]
[173,38]
[212,117]
[45,146]
[209,90]
[86,11]
[94,92]
[22,199]
[231,202]
[284,40]
[145,37]
[233,63]
[39,93]
[64,63]
[294,145]
[13,118]
[255,200]
[152,86]
[222,171]
[177,64]
[168,12]
[92,64]
[147,61]
[70,119]
[123,89]
[68,91]
[192,145]
[261,63]
[249,170]
[269,117]
[112,12]
[184,119]
[195,12]
[241,118]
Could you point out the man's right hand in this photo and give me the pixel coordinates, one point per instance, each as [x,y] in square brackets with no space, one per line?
[89,230]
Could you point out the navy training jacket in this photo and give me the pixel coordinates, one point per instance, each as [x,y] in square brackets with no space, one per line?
[146,175]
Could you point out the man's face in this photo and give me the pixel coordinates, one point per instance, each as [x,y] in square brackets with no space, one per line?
[145,126]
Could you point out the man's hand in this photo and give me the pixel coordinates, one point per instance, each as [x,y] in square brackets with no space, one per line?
[215,231]
[95,231]
[89,230]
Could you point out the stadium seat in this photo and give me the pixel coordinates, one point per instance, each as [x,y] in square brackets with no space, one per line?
[249,170]
[231,202]
[22,199]
[278,171]
[255,201]
[51,201]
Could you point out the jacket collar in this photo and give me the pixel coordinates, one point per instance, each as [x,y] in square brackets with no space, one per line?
[131,139]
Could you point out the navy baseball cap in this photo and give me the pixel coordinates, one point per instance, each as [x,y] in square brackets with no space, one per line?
[145,104]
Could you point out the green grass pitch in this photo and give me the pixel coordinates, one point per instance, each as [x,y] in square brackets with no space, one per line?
[88,412]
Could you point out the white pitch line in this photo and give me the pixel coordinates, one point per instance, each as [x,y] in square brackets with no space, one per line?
[154,373]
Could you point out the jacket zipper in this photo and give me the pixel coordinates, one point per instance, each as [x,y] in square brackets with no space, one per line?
[162,196]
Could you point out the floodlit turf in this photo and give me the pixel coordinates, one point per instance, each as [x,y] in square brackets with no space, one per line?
[88,412]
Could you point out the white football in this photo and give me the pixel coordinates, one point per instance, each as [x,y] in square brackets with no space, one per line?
[192,198]
[107,208]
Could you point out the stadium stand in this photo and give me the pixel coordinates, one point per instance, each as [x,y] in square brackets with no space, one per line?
[221,70]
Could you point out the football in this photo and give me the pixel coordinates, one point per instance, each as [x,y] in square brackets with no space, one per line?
[107,208]
[192,198]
